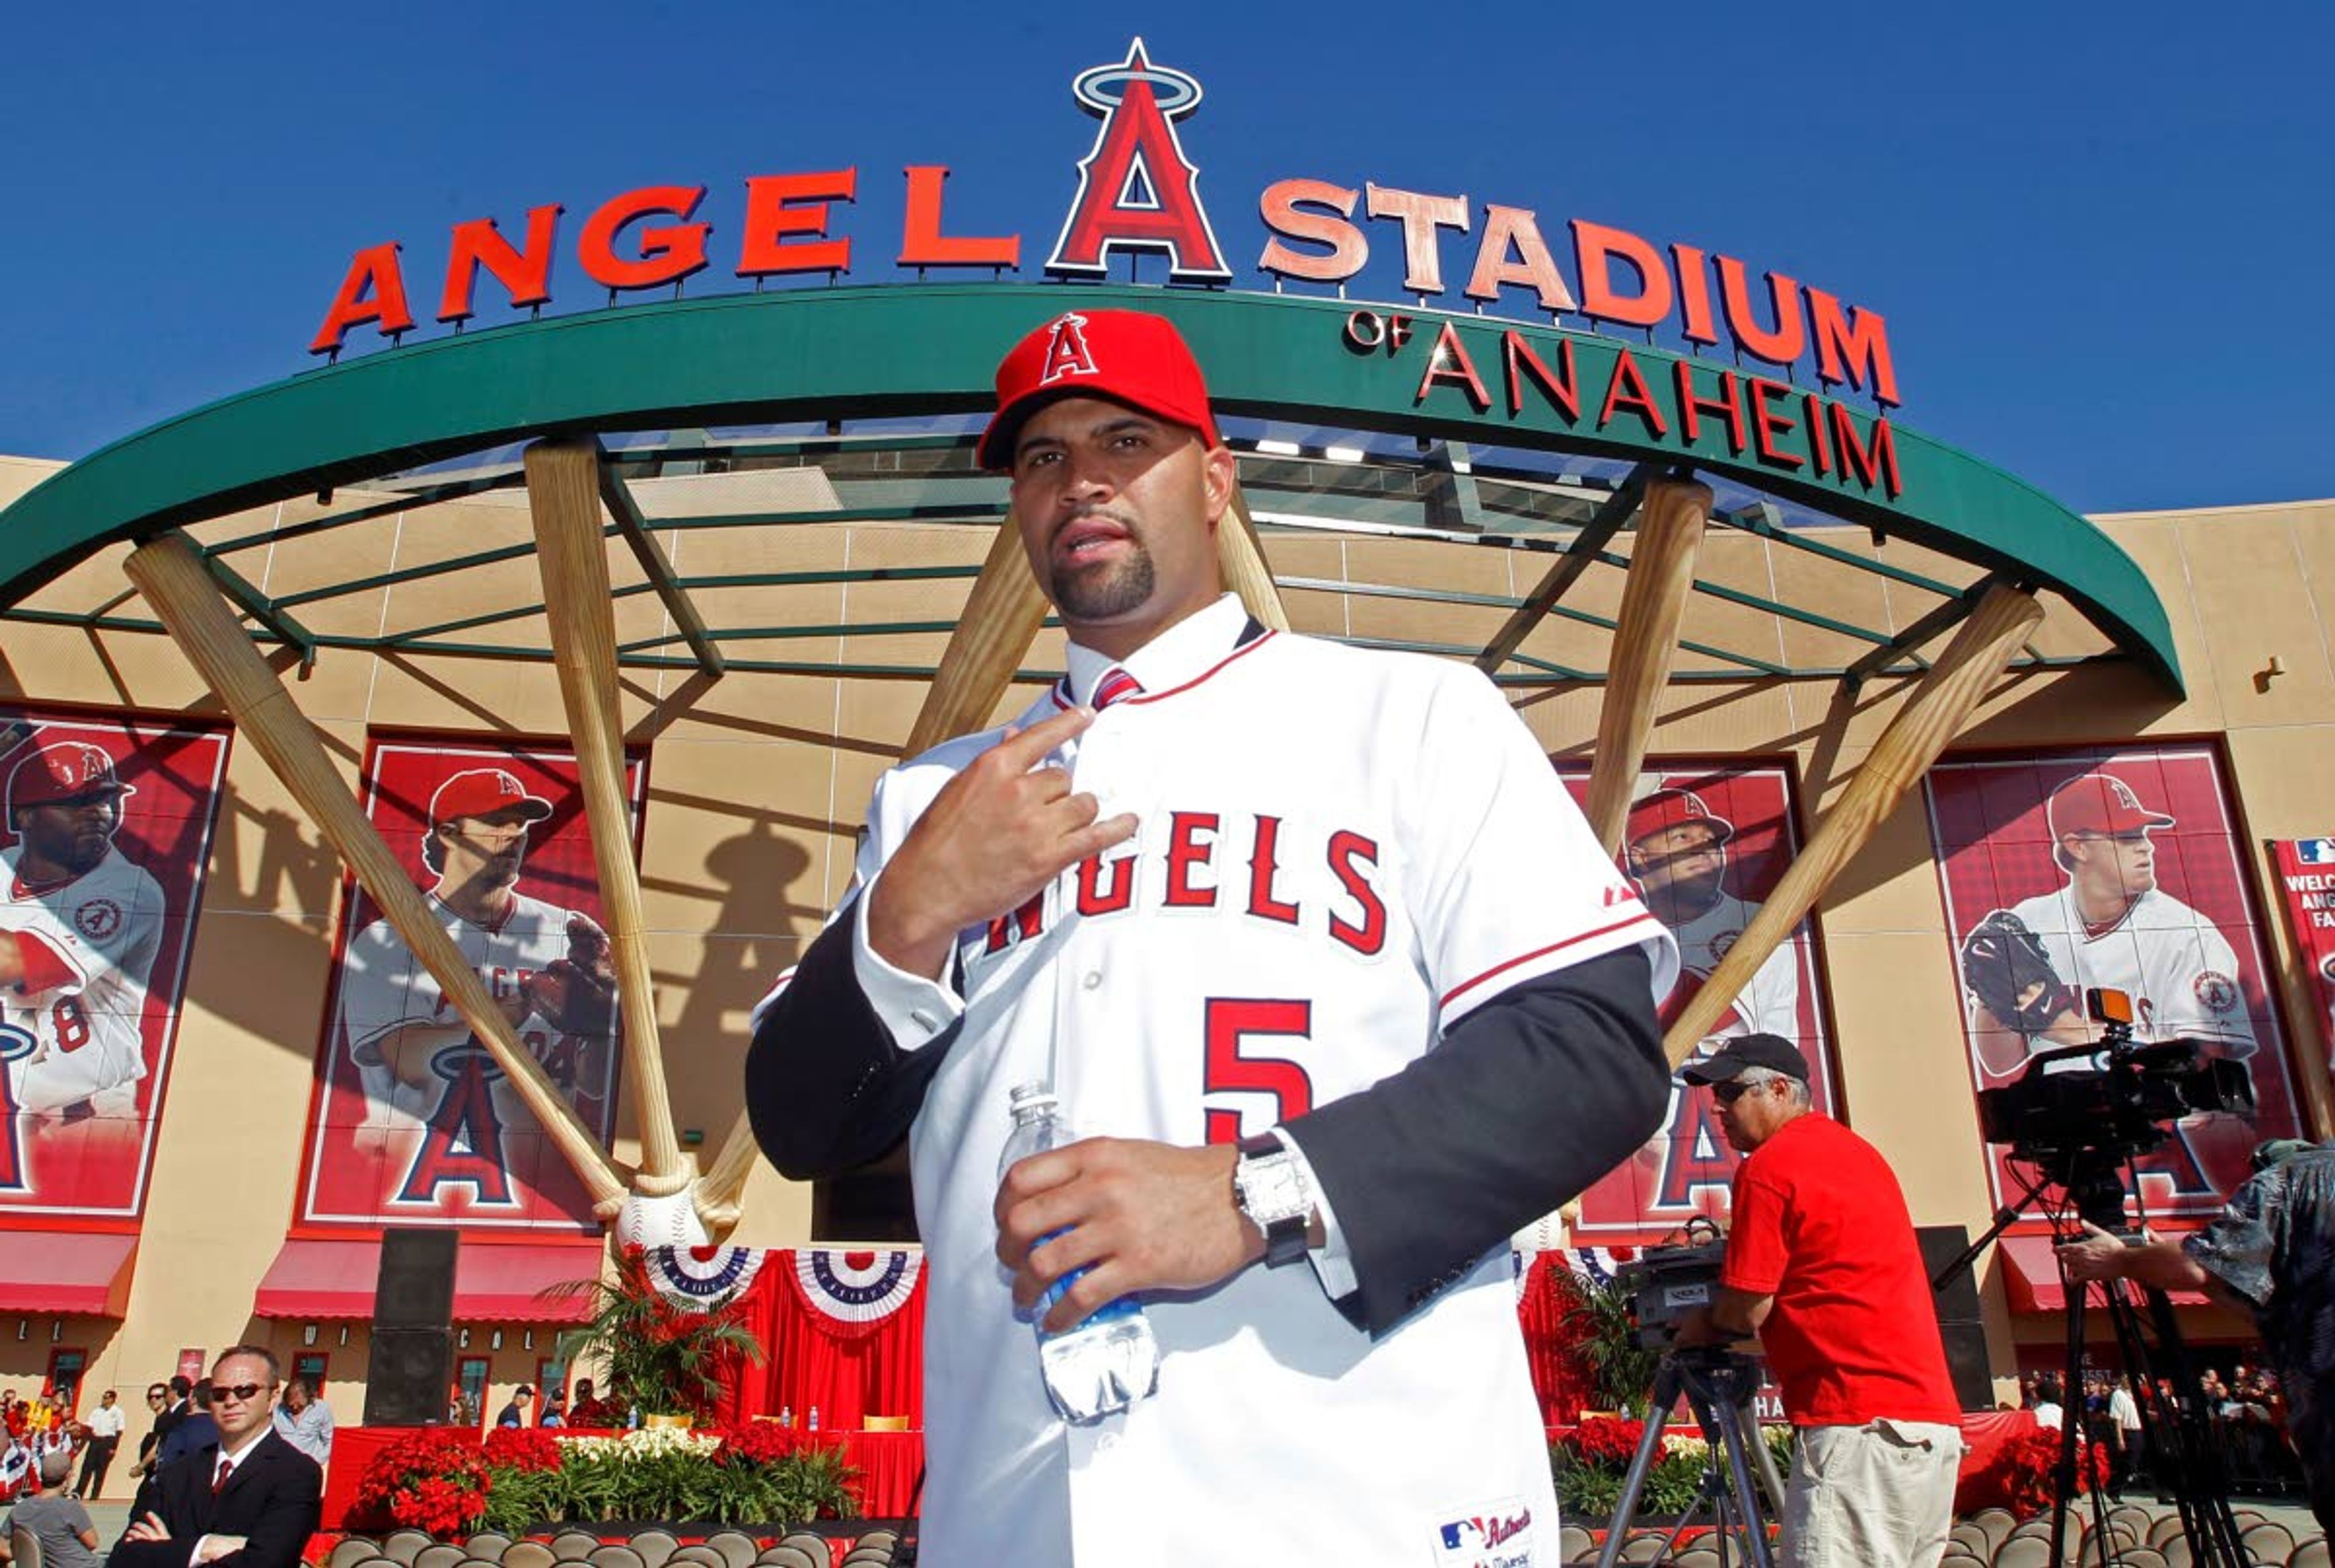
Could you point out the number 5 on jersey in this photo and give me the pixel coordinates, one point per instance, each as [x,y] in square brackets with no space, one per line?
[1240,1059]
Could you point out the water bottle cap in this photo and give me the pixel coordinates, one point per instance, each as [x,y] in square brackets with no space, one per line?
[1032,1097]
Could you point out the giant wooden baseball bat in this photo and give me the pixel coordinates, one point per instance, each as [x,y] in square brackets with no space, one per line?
[171,577]
[723,1184]
[563,492]
[1645,639]
[999,621]
[1240,557]
[1985,644]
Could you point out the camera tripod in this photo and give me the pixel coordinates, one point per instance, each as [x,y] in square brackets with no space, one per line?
[2183,1455]
[1719,1385]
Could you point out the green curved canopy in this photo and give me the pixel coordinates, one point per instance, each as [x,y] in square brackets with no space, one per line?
[859,353]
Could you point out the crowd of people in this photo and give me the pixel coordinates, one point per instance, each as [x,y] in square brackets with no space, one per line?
[2245,1407]
[46,1446]
[230,1469]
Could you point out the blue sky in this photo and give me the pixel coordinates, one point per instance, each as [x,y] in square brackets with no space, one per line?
[2100,234]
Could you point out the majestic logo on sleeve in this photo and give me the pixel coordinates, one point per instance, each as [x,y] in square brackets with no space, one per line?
[1136,190]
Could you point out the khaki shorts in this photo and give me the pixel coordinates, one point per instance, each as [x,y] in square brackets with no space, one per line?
[1879,1495]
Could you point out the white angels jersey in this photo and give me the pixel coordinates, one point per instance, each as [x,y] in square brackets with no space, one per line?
[80,1041]
[1770,1004]
[385,988]
[2178,969]
[1340,853]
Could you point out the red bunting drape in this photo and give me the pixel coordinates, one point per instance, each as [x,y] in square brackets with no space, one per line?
[850,1370]
[1559,1379]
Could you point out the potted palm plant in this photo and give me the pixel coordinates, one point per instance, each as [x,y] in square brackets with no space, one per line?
[663,1359]
[1598,1316]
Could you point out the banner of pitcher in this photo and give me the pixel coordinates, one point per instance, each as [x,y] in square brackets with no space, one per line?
[412,1122]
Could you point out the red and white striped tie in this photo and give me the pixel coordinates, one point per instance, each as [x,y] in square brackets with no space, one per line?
[1114,685]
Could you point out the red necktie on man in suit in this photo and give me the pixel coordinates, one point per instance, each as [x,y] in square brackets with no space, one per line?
[226,1468]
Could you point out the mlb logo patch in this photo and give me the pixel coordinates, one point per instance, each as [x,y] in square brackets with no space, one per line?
[1498,1536]
[2315,851]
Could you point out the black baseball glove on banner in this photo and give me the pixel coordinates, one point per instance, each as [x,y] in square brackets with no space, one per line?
[578,994]
[2006,968]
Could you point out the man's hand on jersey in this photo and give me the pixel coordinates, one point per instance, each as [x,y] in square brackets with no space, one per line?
[1147,1216]
[996,834]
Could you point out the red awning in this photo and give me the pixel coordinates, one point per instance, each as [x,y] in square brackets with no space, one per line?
[2033,1274]
[317,1277]
[84,1272]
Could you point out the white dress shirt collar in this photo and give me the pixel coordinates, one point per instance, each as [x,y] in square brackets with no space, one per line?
[1179,654]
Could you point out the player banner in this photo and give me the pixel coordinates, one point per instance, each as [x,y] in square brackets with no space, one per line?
[1704,846]
[2306,870]
[411,1121]
[2064,871]
[108,824]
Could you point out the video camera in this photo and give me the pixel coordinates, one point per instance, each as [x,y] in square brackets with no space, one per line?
[1667,1283]
[2079,1125]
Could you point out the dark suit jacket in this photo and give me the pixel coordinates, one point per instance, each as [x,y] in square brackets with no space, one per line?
[273,1499]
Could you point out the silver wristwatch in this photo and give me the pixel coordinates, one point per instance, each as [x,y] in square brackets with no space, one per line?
[1271,1186]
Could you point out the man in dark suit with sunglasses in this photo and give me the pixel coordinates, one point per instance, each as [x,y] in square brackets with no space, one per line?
[250,1501]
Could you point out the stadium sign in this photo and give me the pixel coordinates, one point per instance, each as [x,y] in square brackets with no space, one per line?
[1138,193]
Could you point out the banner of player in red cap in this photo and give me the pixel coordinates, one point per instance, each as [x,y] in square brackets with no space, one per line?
[2125,866]
[1704,847]
[108,825]
[411,1121]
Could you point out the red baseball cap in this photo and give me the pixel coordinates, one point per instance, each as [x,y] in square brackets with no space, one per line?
[2099,803]
[63,770]
[1674,809]
[482,792]
[1126,355]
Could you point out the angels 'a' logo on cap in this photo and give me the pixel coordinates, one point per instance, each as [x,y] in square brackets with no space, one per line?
[1067,353]
[2124,793]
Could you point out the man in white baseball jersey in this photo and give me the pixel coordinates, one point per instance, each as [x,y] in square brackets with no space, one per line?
[79,928]
[2111,927]
[1319,953]
[546,968]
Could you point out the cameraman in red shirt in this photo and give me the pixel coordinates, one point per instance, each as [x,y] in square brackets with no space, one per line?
[1823,1266]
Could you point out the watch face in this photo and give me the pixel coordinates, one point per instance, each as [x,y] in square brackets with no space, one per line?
[1272,1189]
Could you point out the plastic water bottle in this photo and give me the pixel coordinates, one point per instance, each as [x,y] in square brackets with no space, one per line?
[1110,1360]
[786,1418]
[814,1417]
